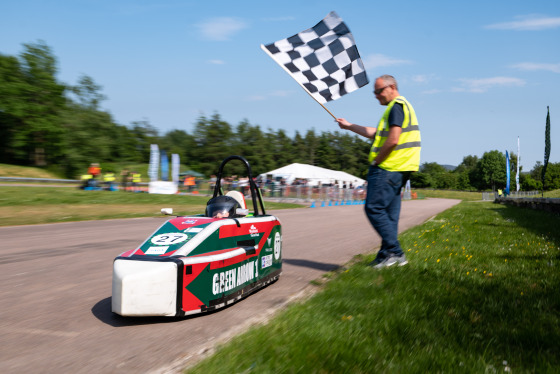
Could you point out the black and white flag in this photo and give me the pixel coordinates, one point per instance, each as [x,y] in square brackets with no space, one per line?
[324,59]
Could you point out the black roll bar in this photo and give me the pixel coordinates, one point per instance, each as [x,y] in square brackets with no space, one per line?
[255,193]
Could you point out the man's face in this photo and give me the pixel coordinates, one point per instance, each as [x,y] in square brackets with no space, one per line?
[383,93]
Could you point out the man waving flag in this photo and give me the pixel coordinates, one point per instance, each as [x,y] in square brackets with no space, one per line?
[324,59]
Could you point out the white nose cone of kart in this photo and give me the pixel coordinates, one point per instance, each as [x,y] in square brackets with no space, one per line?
[144,288]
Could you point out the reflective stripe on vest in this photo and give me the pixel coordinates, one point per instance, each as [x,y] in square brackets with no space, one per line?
[406,155]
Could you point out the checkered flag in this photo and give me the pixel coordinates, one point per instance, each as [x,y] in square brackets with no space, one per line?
[324,59]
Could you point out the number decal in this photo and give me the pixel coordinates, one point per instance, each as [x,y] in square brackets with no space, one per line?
[169,239]
[277,245]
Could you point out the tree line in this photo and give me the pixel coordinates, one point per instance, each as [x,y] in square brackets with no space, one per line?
[61,127]
[486,173]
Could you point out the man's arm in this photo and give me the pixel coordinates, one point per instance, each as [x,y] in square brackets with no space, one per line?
[390,144]
[367,132]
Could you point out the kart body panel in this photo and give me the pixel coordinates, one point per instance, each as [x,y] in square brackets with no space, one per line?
[195,264]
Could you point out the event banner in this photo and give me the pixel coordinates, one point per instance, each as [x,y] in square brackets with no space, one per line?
[175,162]
[154,162]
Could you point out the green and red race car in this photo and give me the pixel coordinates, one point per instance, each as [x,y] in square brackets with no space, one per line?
[200,263]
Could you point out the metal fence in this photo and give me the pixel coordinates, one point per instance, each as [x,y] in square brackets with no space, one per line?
[491,196]
[309,193]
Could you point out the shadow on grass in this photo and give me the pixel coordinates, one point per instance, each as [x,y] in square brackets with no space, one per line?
[539,222]
[495,318]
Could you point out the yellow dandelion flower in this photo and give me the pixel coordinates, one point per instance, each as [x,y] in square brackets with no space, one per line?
[438,260]
[467,273]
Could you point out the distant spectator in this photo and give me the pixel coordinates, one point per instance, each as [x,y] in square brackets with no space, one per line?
[136,180]
[124,178]
[94,170]
[189,183]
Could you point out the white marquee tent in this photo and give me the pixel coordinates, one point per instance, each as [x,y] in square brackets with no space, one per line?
[314,175]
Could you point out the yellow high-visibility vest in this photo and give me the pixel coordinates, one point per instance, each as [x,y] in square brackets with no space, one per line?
[136,178]
[406,155]
[109,177]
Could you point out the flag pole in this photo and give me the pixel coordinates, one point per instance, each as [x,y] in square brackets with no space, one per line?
[301,85]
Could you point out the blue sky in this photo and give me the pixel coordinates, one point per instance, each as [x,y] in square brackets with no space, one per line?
[479,73]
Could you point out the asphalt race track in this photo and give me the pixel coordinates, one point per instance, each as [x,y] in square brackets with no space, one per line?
[55,282]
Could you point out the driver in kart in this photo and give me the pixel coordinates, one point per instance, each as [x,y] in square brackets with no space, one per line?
[222,207]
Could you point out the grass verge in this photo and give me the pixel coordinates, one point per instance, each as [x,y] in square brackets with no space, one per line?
[448,194]
[25,172]
[480,294]
[33,205]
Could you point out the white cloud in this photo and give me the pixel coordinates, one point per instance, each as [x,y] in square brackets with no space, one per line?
[221,28]
[484,84]
[280,93]
[432,91]
[533,66]
[423,78]
[529,22]
[256,98]
[217,62]
[379,60]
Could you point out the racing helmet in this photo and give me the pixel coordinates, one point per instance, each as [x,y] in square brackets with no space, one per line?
[225,206]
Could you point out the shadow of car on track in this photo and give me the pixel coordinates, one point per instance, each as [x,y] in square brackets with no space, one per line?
[102,311]
[311,264]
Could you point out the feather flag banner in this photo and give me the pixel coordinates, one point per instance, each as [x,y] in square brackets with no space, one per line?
[507,173]
[546,145]
[518,160]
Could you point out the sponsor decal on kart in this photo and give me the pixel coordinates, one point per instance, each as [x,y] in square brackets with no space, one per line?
[194,229]
[224,281]
[254,231]
[266,261]
[156,250]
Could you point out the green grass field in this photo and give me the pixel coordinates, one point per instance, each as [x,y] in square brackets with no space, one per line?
[479,295]
[445,194]
[24,172]
[33,205]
